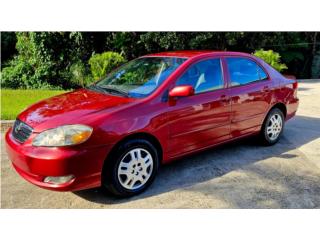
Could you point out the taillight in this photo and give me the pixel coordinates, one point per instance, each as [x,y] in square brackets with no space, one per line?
[295,88]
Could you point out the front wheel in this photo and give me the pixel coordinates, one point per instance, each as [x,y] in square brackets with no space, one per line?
[272,127]
[131,168]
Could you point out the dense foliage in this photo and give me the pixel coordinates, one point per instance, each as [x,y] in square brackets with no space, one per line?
[271,58]
[43,61]
[62,59]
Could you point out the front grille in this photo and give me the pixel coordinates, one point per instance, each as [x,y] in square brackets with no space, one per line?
[21,131]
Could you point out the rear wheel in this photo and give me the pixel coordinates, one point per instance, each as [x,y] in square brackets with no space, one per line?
[272,127]
[131,168]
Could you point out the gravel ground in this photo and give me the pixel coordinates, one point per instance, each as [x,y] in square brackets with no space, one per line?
[237,175]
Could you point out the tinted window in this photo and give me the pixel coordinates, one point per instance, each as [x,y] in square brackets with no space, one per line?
[203,76]
[243,71]
[262,73]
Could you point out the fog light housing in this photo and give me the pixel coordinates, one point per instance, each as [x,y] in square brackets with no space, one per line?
[59,179]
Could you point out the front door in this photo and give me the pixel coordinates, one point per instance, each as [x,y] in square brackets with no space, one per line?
[203,119]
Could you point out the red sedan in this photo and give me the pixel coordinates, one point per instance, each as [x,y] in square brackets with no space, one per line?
[150,111]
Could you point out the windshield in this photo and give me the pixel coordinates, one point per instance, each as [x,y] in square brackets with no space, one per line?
[138,78]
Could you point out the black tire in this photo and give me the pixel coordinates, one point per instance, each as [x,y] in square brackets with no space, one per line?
[265,137]
[110,178]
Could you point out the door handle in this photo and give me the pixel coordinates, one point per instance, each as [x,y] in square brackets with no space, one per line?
[223,98]
[265,89]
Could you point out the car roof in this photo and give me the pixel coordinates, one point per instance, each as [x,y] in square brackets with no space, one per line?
[195,53]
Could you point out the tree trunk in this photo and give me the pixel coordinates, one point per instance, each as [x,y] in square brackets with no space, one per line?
[314,43]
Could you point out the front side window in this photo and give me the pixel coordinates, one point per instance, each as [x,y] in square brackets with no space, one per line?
[138,78]
[243,71]
[203,76]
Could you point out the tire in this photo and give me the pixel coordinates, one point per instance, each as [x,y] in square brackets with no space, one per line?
[131,168]
[272,127]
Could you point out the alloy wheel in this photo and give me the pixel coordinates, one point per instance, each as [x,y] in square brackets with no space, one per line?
[274,126]
[135,168]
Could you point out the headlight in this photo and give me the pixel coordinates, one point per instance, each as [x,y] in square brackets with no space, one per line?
[63,136]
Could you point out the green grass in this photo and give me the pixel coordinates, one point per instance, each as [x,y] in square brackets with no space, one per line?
[14,101]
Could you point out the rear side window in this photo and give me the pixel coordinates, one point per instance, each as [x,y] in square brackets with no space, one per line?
[243,71]
[203,76]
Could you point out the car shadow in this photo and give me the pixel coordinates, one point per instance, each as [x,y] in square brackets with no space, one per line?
[218,161]
[304,89]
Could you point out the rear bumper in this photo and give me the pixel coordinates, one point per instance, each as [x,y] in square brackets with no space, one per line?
[36,163]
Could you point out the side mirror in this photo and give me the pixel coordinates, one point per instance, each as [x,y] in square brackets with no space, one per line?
[181,91]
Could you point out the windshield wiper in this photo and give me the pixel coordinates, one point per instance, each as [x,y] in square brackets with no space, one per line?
[115,90]
[111,90]
[95,88]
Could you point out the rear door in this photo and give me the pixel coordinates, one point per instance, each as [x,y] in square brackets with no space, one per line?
[250,91]
[202,119]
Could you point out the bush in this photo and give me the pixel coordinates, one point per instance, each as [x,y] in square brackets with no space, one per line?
[21,74]
[79,75]
[103,63]
[272,58]
[44,60]
[31,68]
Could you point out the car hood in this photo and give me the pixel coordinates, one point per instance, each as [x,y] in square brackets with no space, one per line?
[68,108]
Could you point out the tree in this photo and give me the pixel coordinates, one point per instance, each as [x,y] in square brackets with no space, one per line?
[61,59]
[8,43]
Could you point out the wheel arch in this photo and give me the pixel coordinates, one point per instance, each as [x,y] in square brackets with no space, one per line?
[280,106]
[107,174]
[140,135]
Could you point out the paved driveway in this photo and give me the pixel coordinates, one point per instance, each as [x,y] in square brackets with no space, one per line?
[238,175]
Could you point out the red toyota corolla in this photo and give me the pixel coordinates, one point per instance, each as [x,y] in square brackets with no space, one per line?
[148,112]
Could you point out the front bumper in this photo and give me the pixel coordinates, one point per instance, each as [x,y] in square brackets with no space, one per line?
[36,163]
